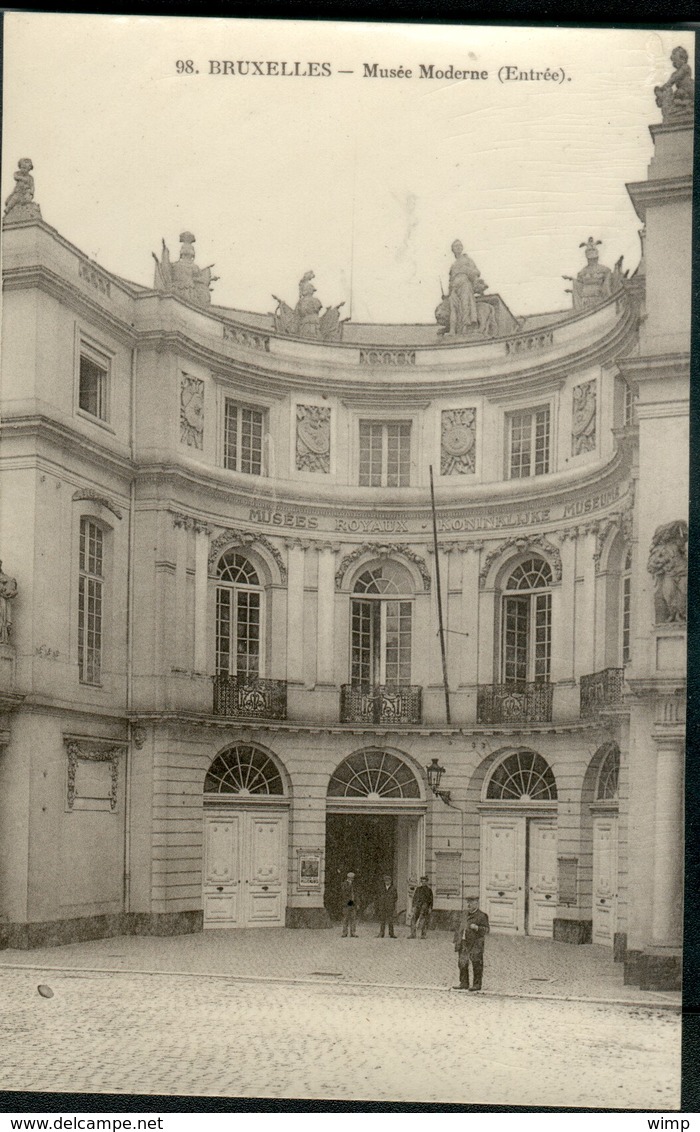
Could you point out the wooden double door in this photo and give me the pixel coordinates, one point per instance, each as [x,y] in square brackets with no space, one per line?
[519,873]
[245,867]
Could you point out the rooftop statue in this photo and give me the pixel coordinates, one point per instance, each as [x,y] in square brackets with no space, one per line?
[306,320]
[594,282]
[183,278]
[676,97]
[20,204]
[465,311]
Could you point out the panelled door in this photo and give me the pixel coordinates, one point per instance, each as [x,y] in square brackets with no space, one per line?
[604,879]
[542,876]
[503,873]
[519,873]
[245,868]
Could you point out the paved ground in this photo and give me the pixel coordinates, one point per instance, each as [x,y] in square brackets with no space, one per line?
[306,1014]
[513,966]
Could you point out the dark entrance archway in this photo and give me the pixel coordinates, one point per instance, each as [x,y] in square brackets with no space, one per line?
[361,843]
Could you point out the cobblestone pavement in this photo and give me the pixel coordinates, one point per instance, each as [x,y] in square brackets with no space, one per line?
[199,1035]
[514,966]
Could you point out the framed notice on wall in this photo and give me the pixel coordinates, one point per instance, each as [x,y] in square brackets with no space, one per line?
[309,868]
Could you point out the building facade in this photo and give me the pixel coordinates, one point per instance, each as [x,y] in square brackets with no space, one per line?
[222,682]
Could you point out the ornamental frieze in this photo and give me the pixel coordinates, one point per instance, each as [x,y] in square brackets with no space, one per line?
[537,543]
[232,538]
[93,751]
[583,419]
[458,442]
[313,448]
[382,551]
[192,411]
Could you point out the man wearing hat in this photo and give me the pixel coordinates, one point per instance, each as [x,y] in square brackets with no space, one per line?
[421,909]
[349,906]
[469,944]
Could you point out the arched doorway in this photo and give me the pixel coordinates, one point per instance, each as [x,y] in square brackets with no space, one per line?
[604,812]
[245,840]
[519,845]
[374,825]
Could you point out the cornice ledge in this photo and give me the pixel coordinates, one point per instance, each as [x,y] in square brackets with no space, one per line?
[23,278]
[643,686]
[58,432]
[651,367]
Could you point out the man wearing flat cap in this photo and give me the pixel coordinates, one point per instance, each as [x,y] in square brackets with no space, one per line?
[469,944]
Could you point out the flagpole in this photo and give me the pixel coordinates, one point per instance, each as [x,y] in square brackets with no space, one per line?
[439,602]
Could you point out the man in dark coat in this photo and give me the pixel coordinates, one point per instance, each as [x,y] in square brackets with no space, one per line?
[421,908]
[347,889]
[469,944]
[386,906]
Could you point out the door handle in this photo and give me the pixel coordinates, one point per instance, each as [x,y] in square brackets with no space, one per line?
[501,894]
[219,888]
[602,900]
[265,887]
[548,896]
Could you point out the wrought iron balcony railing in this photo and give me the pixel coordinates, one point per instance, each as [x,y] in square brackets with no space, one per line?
[601,690]
[514,703]
[250,698]
[381,703]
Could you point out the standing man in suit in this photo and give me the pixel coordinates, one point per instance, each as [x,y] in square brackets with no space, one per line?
[347,889]
[422,907]
[386,906]
[469,944]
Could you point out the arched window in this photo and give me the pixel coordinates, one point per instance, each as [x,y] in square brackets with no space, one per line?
[609,776]
[526,633]
[522,777]
[243,769]
[381,626]
[626,609]
[373,774]
[239,612]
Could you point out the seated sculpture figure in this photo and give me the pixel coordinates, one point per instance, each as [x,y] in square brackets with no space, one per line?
[676,97]
[594,282]
[183,277]
[21,199]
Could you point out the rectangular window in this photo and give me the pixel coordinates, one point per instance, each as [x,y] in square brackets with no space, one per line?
[243,439]
[630,405]
[238,632]
[90,601]
[92,384]
[385,453]
[381,643]
[529,443]
[527,638]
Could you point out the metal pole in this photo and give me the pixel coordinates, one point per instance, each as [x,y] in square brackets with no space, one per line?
[439,602]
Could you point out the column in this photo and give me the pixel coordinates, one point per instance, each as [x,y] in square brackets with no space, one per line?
[295,610]
[471,555]
[325,672]
[564,611]
[183,657]
[201,579]
[668,843]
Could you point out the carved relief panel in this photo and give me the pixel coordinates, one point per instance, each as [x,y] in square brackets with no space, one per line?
[458,442]
[583,418]
[313,444]
[191,411]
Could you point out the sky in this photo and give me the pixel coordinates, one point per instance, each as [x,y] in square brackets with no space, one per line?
[366,181]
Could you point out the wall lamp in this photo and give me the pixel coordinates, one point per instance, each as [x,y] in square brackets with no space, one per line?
[434,773]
